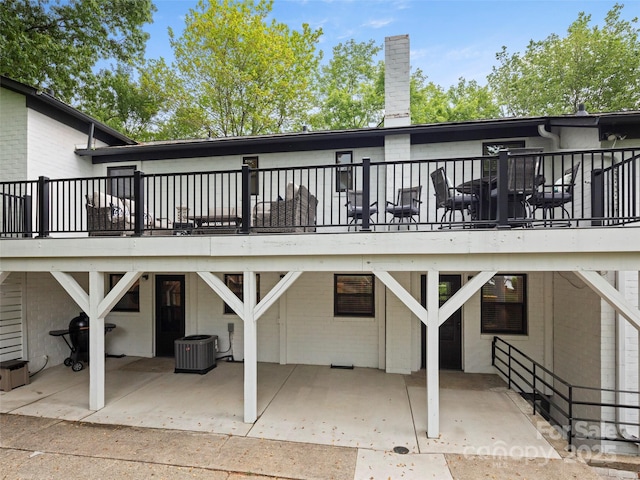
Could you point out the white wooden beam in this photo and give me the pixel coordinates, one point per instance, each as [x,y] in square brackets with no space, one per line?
[461,296]
[96,341]
[405,297]
[249,290]
[282,324]
[117,292]
[613,297]
[433,356]
[429,316]
[224,292]
[3,276]
[75,291]
[275,293]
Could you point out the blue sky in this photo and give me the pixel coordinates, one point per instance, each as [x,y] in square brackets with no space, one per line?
[449,38]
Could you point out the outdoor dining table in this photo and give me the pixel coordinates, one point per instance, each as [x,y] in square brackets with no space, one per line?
[485,189]
[481,188]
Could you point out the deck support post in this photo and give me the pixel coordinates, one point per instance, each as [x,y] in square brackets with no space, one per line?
[96,341]
[250,348]
[432,361]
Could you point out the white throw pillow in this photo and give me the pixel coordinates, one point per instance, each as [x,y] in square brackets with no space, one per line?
[100,199]
[292,189]
[563,183]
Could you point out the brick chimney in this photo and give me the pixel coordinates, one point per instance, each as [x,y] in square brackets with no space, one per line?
[396,81]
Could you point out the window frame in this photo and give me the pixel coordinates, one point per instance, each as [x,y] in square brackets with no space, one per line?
[338,312]
[254,184]
[490,166]
[344,171]
[121,187]
[505,307]
[227,310]
[130,301]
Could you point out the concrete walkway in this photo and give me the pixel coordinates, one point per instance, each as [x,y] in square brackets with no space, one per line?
[39,448]
[315,423]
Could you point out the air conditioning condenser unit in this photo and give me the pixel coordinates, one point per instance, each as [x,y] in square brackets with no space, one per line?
[195,353]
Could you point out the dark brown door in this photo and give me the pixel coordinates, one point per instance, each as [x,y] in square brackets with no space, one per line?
[170,313]
[450,331]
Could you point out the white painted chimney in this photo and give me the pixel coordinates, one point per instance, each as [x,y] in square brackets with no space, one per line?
[396,81]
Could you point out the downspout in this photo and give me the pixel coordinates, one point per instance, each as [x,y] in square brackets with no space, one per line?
[621,369]
[555,139]
[92,128]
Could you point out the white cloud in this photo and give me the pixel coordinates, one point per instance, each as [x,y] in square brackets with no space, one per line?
[379,23]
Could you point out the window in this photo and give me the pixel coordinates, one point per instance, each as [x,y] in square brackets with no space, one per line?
[353,296]
[130,302]
[235,282]
[504,306]
[492,149]
[120,187]
[252,162]
[344,175]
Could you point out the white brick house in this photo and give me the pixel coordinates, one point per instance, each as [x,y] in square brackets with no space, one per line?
[581,282]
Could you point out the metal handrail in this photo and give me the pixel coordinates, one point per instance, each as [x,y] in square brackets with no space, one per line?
[605,195]
[560,395]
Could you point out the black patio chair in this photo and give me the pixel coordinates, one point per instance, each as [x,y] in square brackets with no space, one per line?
[556,195]
[407,205]
[448,198]
[523,179]
[355,209]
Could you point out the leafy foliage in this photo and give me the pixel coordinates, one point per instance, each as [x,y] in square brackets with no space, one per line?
[467,100]
[235,74]
[596,66]
[56,45]
[350,88]
[128,105]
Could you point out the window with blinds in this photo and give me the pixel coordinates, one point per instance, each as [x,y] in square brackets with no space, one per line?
[235,282]
[353,296]
[504,305]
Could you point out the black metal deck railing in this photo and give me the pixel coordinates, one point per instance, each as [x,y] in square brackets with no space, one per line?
[604,191]
[581,413]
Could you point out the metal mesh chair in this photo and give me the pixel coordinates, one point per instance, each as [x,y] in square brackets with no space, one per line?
[448,198]
[407,205]
[556,195]
[355,208]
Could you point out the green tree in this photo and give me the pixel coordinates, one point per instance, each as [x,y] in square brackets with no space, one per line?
[350,88]
[236,74]
[598,67]
[124,103]
[56,45]
[350,92]
[467,100]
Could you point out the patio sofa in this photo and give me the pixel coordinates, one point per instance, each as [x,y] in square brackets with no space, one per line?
[108,215]
[295,213]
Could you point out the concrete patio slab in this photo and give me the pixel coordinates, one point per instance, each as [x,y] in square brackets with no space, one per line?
[359,408]
[188,401]
[51,381]
[72,403]
[352,408]
[343,425]
[479,422]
